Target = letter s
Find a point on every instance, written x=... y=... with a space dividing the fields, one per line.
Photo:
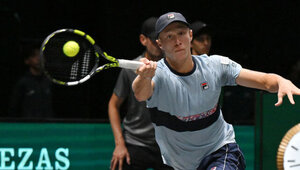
x=62 y=158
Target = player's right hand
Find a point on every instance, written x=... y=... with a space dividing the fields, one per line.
x=119 y=154
x=147 y=70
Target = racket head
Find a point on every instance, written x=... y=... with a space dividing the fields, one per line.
x=69 y=71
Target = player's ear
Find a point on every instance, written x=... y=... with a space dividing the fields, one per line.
x=159 y=43
x=143 y=39
x=191 y=34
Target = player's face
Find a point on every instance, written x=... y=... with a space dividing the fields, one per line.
x=201 y=44
x=175 y=40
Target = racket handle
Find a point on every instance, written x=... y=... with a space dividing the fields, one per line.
x=129 y=64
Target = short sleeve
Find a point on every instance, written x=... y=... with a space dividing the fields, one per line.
x=227 y=69
x=123 y=85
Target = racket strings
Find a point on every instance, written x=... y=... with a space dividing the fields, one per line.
x=68 y=69
x=74 y=70
x=81 y=67
x=85 y=63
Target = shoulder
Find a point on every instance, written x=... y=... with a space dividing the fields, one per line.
x=23 y=81
x=219 y=58
x=25 y=78
x=213 y=59
x=206 y=58
x=161 y=65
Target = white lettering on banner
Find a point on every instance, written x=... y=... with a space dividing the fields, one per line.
x=7 y=162
x=5 y=159
x=62 y=159
x=44 y=159
x=22 y=164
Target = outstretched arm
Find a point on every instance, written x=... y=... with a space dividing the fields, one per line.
x=269 y=82
x=143 y=85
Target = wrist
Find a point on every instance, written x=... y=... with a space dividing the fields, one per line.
x=281 y=80
x=145 y=77
x=120 y=142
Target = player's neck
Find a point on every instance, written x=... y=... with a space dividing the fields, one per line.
x=182 y=66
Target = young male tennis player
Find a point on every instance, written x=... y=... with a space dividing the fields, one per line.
x=182 y=92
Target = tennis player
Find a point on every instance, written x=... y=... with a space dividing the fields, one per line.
x=182 y=92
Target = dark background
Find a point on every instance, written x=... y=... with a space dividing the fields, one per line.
x=260 y=35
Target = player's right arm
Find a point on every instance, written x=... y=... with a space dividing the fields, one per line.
x=143 y=85
x=120 y=152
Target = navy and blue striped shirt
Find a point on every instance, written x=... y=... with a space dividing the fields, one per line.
x=184 y=110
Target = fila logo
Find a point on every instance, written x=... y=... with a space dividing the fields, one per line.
x=204 y=85
x=170 y=16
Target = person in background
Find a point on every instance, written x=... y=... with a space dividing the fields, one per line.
x=31 y=96
x=135 y=145
x=202 y=39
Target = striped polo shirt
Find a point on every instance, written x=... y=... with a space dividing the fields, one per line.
x=184 y=110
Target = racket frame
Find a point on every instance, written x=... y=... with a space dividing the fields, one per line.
x=95 y=69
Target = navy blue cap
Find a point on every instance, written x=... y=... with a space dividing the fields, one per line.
x=168 y=18
x=148 y=28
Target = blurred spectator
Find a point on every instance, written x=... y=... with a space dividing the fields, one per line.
x=31 y=96
x=202 y=40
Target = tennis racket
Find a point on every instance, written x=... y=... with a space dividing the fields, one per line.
x=70 y=57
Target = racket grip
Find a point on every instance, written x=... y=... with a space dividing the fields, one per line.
x=129 y=64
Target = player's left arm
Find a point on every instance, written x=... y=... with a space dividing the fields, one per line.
x=270 y=82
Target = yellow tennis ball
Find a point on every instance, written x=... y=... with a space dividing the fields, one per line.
x=71 y=48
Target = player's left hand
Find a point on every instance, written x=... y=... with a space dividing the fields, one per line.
x=286 y=87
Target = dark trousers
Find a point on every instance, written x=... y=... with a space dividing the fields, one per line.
x=142 y=158
x=228 y=157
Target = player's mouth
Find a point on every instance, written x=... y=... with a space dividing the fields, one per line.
x=178 y=50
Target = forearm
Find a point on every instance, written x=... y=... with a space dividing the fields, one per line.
x=115 y=122
x=259 y=80
x=269 y=82
x=142 y=88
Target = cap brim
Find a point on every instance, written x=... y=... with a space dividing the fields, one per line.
x=185 y=23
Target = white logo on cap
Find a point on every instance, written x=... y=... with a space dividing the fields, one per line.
x=170 y=16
